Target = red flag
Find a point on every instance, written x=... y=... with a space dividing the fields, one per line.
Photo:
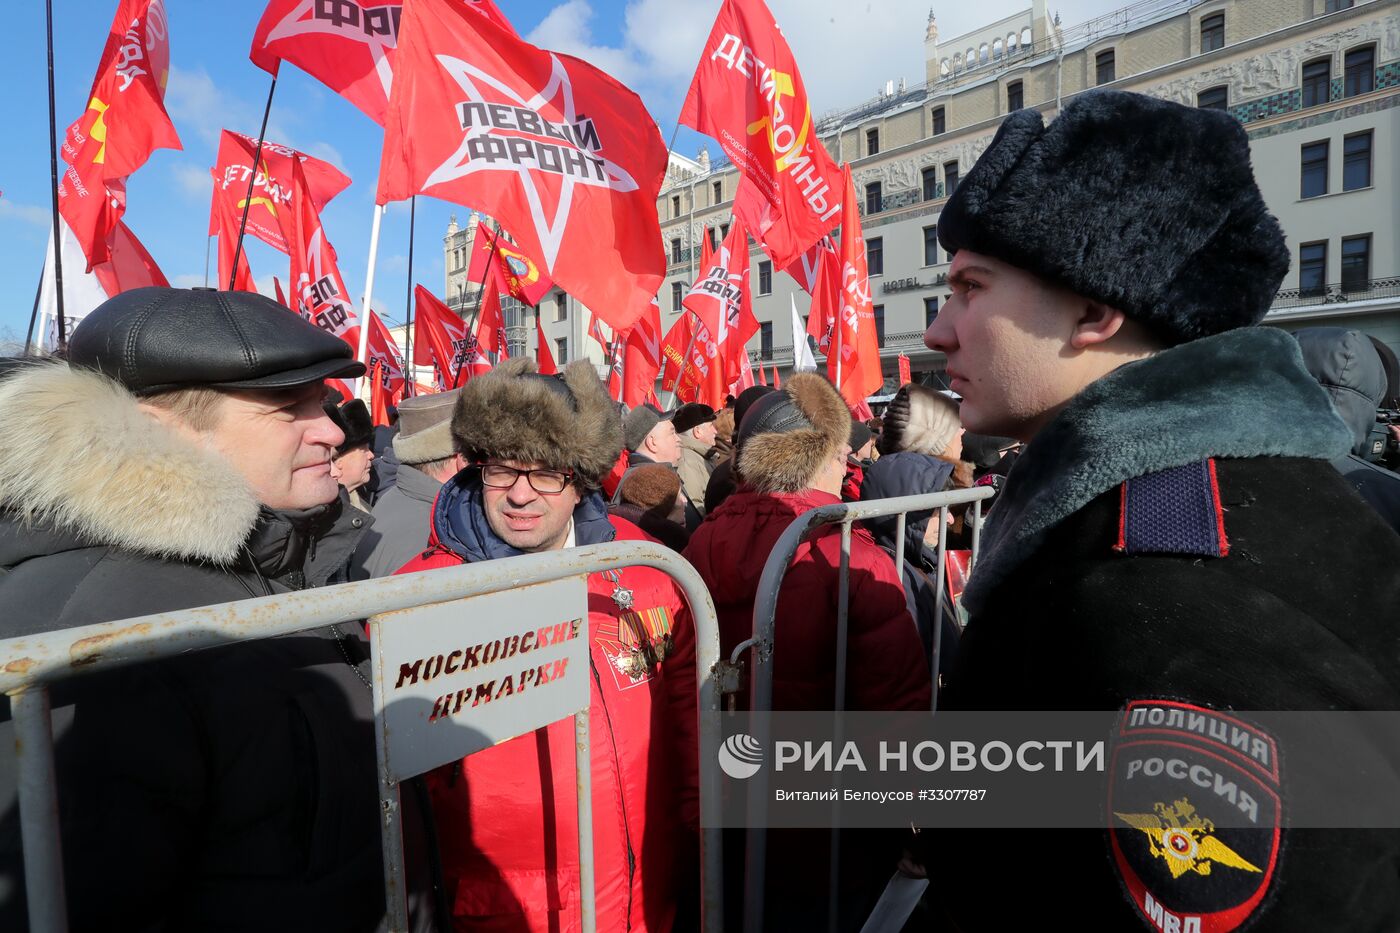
x=347 y=45
x=777 y=383
x=905 y=377
x=720 y=301
x=707 y=250
x=561 y=154
x=130 y=266
x=281 y=295
x=596 y=332
x=544 y=360
x=854 y=366
x=673 y=347
x=826 y=300
x=378 y=396
x=491 y=326
x=804 y=270
x=516 y=274
x=748 y=95
x=642 y=359
x=125 y=121
x=226 y=227
x=439 y=339
x=317 y=287
x=384 y=353
x=274 y=186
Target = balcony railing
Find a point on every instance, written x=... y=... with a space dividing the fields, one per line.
x=1337 y=293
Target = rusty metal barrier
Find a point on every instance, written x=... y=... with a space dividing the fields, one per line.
x=760 y=645
x=28 y=664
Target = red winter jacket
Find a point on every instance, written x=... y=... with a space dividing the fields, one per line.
x=885 y=665
x=507 y=816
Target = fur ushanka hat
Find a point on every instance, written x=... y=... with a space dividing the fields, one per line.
x=567 y=421
x=921 y=420
x=786 y=435
x=1145 y=205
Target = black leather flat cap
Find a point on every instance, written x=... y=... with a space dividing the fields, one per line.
x=157 y=339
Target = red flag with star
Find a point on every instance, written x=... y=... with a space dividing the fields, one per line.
x=385 y=355
x=748 y=95
x=564 y=156
x=270 y=208
x=720 y=302
x=125 y=121
x=439 y=339
x=516 y=274
x=854 y=364
x=805 y=268
x=347 y=45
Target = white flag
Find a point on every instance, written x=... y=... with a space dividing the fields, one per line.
x=802 y=359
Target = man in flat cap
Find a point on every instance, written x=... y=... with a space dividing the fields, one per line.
x=538 y=447
x=427 y=458
x=181 y=457
x=1153 y=551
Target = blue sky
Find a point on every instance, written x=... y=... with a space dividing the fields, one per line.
x=846 y=49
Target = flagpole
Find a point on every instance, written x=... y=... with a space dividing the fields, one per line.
x=207 y=241
x=53 y=193
x=362 y=350
x=408 y=302
x=248 y=199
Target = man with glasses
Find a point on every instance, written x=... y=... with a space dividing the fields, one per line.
x=540 y=446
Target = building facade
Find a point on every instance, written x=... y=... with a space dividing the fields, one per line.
x=1316 y=84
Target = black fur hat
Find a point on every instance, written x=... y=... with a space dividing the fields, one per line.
x=352 y=418
x=1145 y=205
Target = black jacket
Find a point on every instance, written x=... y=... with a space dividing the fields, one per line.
x=227 y=789
x=1299 y=614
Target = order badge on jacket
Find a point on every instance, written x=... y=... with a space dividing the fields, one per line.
x=457 y=677
x=1194 y=811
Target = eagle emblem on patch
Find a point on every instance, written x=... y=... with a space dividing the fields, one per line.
x=1195 y=811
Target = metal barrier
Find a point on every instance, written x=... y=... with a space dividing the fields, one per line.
x=761 y=644
x=29 y=663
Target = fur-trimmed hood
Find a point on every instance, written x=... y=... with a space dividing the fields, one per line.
x=513 y=413
x=785 y=457
x=77 y=453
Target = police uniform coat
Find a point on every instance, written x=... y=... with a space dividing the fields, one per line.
x=1297 y=614
x=227 y=789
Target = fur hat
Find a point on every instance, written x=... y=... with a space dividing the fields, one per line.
x=354 y=420
x=787 y=435
x=692 y=415
x=566 y=422
x=921 y=420
x=425 y=428
x=1145 y=205
x=653 y=487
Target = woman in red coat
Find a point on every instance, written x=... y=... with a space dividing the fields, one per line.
x=506 y=817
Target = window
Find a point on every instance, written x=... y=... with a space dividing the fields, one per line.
x=1356 y=161
x=929 y=177
x=675 y=205
x=765 y=277
x=765 y=340
x=677 y=293
x=561 y=308
x=676 y=250
x=1360 y=71
x=561 y=351
x=874 y=201
x=718 y=189
x=1316 y=77
x=879 y=325
x=1015 y=96
x=930 y=311
x=950 y=177
x=723 y=232
x=940 y=121
x=931 y=245
x=1213 y=32
x=1335 y=5
x=1104 y=67
x=1356 y=262
x=875 y=256
x=1213 y=98
x=1312 y=268
x=1314 y=169
x=710 y=235
x=872 y=141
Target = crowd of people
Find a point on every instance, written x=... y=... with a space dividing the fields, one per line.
x=1180 y=515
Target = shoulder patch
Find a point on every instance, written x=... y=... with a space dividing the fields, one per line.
x=1175 y=511
x=1194 y=814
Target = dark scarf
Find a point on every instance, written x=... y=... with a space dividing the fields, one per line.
x=1243 y=393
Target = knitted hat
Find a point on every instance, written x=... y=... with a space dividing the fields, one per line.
x=921 y=420
x=566 y=422
x=786 y=435
x=1145 y=205
x=425 y=428
x=652 y=486
x=860 y=434
x=639 y=422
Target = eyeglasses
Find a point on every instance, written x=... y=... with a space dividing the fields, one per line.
x=544 y=482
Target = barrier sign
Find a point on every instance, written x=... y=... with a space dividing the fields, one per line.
x=456 y=677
